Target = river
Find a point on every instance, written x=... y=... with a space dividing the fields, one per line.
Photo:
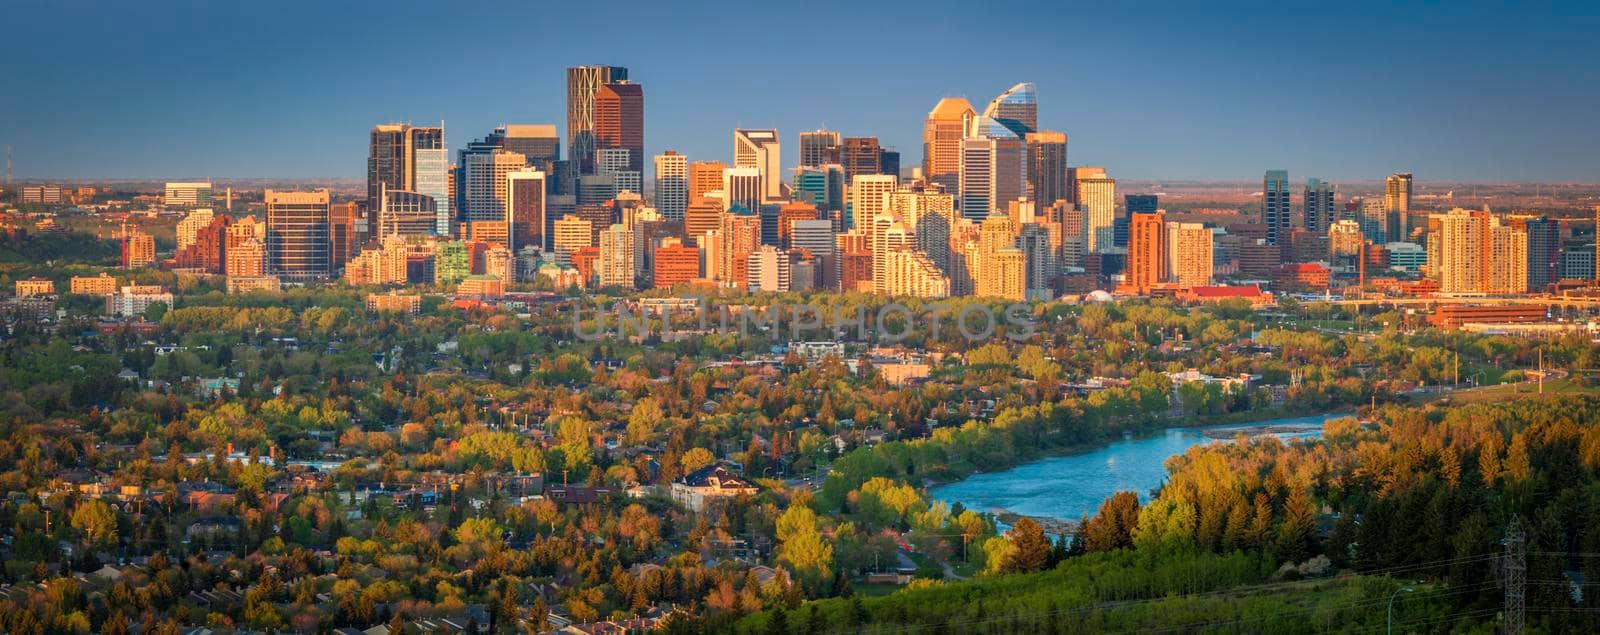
x=1070 y=486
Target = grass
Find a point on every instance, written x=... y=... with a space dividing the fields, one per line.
x=1505 y=392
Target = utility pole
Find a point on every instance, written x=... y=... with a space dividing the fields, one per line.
x=1516 y=570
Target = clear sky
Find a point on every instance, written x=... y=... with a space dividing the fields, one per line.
x=1342 y=90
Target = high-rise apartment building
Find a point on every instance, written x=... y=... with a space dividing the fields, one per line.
x=619 y=121
x=190 y=225
x=912 y=273
x=672 y=185
x=759 y=149
x=1319 y=205
x=1047 y=167
x=1190 y=262
x=1096 y=194
x=617 y=257
x=1473 y=251
x=869 y=198
x=583 y=85
x=1397 y=201
x=1148 y=253
x=1275 y=206
x=816 y=147
x=570 y=233
x=298 y=238
x=770 y=268
x=943 y=137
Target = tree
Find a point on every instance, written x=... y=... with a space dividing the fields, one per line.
x=1032 y=549
x=696 y=458
x=97 y=521
x=643 y=420
x=803 y=548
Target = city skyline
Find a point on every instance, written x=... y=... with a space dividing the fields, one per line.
x=1172 y=110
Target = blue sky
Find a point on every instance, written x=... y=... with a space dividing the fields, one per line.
x=1353 y=90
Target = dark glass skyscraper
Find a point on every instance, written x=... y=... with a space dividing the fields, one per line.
x=386 y=161
x=1047 y=167
x=1275 y=205
x=1142 y=203
x=1318 y=201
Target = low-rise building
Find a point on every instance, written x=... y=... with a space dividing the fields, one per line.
x=28 y=287
x=133 y=300
x=103 y=284
x=711 y=483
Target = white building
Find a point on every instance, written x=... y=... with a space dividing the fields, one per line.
x=188 y=194
x=672 y=185
x=759 y=149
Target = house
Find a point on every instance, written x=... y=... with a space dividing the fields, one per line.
x=695 y=489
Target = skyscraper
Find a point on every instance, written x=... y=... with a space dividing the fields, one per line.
x=485 y=190
x=705 y=177
x=942 y=136
x=402 y=157
x=583 y=84
x=869 y=199
x=1047 y=167
x=672 y=185
x=538 y=143
x=1142 y=203
x=760 y=149
x=742 y=189
x=1096 y=194
x=860 y=155
x=822 y=186
x=1397 y=201
x=702 y=215
x=1275 y=206
x=404 y=213
x=1319 y=208
x=619 y=121
x=1016 y=109
x=386 y=161
x=815 y=145
x=297 y=235
x=617 y=257
x=1190 y=261
x=976 y=178
x=1010 y=179
x=525 y=200
x=1147 y=253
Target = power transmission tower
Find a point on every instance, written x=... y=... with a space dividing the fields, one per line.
x=1516 y=568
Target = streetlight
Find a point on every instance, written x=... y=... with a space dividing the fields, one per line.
x=1392 y=596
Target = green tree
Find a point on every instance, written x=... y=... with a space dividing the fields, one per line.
x=97 y=522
